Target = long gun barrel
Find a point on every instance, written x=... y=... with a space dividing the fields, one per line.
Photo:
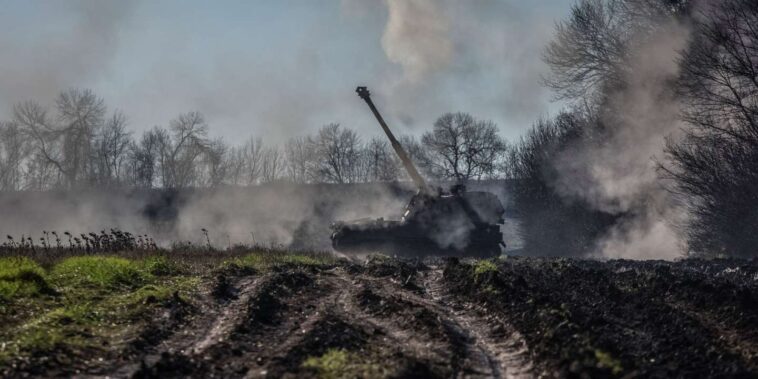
x=409 y=167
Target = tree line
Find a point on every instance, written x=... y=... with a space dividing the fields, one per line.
x=77 y=143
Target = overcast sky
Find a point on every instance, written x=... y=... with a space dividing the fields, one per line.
x=277 y=68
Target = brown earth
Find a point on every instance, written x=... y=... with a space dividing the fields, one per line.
x=511 y=317
x=388 y=315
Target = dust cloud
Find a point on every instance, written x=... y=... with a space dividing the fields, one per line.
x=280 y=214
x=620 y=175
x=76 y=47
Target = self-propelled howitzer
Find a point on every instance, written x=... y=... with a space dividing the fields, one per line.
x=457 y=222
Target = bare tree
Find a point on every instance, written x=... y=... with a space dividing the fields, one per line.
x=236 y=166
x=591 y=50
x=253 y=154
x=574 y=227
x=180 y=151
x=337 y=150
x=41 y=174
x=14 y=150
x=272 y=164
x=215 y=163
x=80 y=115
x=299 y=159
x=67 y=141
x=111 y=149
x=461 y=147
x=144 y=159
x=380 y=161
x=715 y=166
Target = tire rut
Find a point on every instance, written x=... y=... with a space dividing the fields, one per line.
x=215 y=318
x=274 y=322
x=406 y=341
x=241 y=335
x=503 y=348
x=474 y=351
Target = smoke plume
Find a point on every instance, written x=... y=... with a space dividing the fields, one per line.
x=478 y=57
x=417 y=37
x=619 y=176
x=73 y=49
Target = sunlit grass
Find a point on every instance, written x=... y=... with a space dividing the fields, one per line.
x=340 y=363
x=99 y=272
x=20 y=276
x=86 y=303
x=266 y=260
x=484 y=267
x=94 y=301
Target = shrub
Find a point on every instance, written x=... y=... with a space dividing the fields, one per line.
x=160 y=266
x=20 y=276
x=484 y=267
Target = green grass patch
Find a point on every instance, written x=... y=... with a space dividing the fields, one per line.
x=606 y=360
x=132 y=303
x=484 y=267
x=100 y=272
x=160 y=265
x=262 y=261
x=91 y=318
x=333 y=364
x=99 y=301
x=20 y=277
x=340 y=363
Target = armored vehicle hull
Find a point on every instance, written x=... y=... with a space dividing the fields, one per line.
x=411 y=240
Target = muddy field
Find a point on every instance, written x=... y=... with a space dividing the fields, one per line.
x=510 y=317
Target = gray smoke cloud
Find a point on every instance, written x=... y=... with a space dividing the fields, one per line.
x=72 y=50
x=417 y=37
x=423 y=57
x=279 y=214
x=477 y=57
x=620 y=176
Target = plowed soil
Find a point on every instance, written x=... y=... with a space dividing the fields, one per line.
x=391 y=316
x=505 y=318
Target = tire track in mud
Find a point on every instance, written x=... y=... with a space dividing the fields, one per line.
x=229 y=317
x=221 y=340
x=485 y=348
x=409 y=343
x=283 y=309
x=272 y=323
x=217 y=317
x=741 y=343
x=503 y=346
